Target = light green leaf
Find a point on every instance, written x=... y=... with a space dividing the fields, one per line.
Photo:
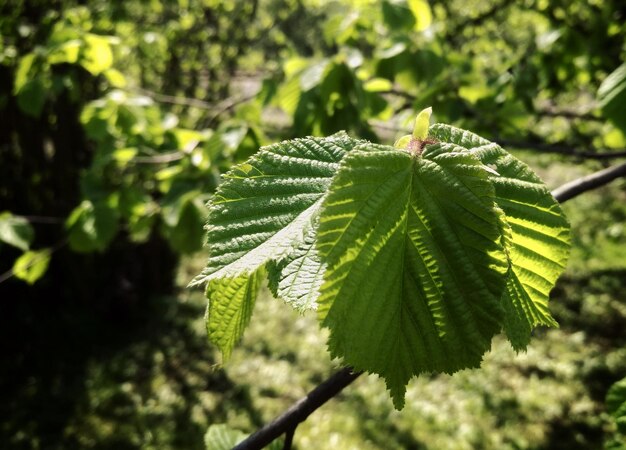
x=16 y=231
x=261 y=215
x=222 y=437
x=32 y=265
x=231 y=301
x=66 y=52
x=612 y=97
x=97 y=53
x=422 y=13
x=415 y=263
x=23 y=71
x=539 y=233
x=422 y=122
x=115 y=78
x=377 y=85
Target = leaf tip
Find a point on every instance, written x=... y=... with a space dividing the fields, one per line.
x=422 y=122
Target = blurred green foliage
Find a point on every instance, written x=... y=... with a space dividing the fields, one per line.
x=117 y=120
x=172 y=93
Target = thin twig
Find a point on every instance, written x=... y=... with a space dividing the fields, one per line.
x=568 y=115
x=175 y=100
x=289 y=438
x=300 y=410
x=563 y=149
x=217 y=108
x=159 y=159
x=230 y=103
x=588 y=182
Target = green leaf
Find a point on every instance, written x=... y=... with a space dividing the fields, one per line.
x=115 y=78
x=66 y=52
x=261 y=215
x=378 y=85
x=32 y=265
x=422 y=122
x=415 y=263
x=612 y=97
x=222 y=437
x=231 y=301
x=97 y=54
x=32 y=97
x=298 y=279
x=27 y=64
x=616 y=404
x=184 y=231
x=414 y=259
x=539 y=241
x=92 y=226
x=397 y=15
x=16 y=231
x=422 y=13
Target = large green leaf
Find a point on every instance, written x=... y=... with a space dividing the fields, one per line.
x=539 y=233
x=415 y=257
x=415 y=262
x=261 y=214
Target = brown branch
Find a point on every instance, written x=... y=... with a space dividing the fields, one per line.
x=588 y=182
x=217 y=108
x=299 y=411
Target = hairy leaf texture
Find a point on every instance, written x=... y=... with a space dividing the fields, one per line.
x=539 y=241
x=416 y=265
x=414 y=257
x=261 y=215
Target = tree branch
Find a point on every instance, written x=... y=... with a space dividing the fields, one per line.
x=300 y=410
x=568 y=115
x=588 y=182
x=561 y=149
